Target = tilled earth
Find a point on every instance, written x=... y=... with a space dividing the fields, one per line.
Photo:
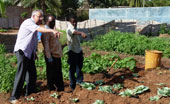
x=150 y=78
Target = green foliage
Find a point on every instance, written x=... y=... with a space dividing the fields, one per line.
x=3 y=30
x=135 y=3
x=138 y=90
x=104 y=3
x=164 y=29
x=24 y=15
x=129 y=63
x=127 y=92
x=118 y=86
x=74 y=100
x=48 y=6
x=3 y=5
x=30 y=99
x=55 y=95
x=63 y=37
x=99 y=82
x=41 y=66
x=88 y=86
x=82 y=15
x=130 y=43
x=69 y=7
x=92 y=64
x=97 y=63
x=99 y=102
x=7 y=70
x=107 y=89
x=157 y=3
x=164 y=92
x=154 y=98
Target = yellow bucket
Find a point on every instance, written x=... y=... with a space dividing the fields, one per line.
x=152 y=59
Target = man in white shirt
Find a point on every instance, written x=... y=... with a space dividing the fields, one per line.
x=75 y=53
x=25 y=50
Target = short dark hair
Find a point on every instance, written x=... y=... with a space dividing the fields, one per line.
x=71 y=17
x=46 y=19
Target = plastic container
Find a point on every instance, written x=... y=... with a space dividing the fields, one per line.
x=152 y=59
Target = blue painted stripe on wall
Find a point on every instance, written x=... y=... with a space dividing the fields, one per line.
x=160 y=14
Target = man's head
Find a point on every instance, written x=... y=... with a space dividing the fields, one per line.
x=50 y=21
x=37 y=16
x=73 y=21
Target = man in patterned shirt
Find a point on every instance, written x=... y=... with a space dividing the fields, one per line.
x=53 y=54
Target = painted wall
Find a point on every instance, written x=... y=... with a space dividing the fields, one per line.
x=159 y=14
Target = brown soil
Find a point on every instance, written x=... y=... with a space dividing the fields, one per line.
x=148 y=78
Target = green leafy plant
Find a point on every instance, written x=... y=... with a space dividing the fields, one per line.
x=99 y=102
x=135 y=75
x=118 y=86
x=140 y=89
x=164 y=92
x=154 y=98
x=24 y=15
x=129 y=43
x=3 y=30
x=163 y=29
x=30 y=99
x=127 y=92
x=88 y=86
x=55 y=95
x=7 y=70
x=74 y=100
x=107 y=89
x=99 y=82
x=132 y=93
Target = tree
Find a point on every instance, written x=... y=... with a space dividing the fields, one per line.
x=103 y=3
x=157 y=3
x=123 y=3
x=69 y=7
x=48 y=6
x=135 y=3
x=3 y=6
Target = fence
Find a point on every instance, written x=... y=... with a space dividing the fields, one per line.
x=10 y=22
x=90 y=27
x=94 y=27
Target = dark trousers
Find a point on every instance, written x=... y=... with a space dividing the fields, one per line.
x=26 y=71
x=75 y=60
x=54 y=74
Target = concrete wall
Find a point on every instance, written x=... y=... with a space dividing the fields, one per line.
x=159 y=14
x=13 y=19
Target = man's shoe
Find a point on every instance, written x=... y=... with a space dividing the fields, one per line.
x=79 y=83
x=14 y=101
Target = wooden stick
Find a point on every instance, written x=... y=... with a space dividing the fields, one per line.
x=112 y=64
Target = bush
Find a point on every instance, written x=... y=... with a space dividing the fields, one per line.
x=130 y=43
x=7 y=70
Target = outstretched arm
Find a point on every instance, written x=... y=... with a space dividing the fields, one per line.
x=80 y=33
x=45 y=30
